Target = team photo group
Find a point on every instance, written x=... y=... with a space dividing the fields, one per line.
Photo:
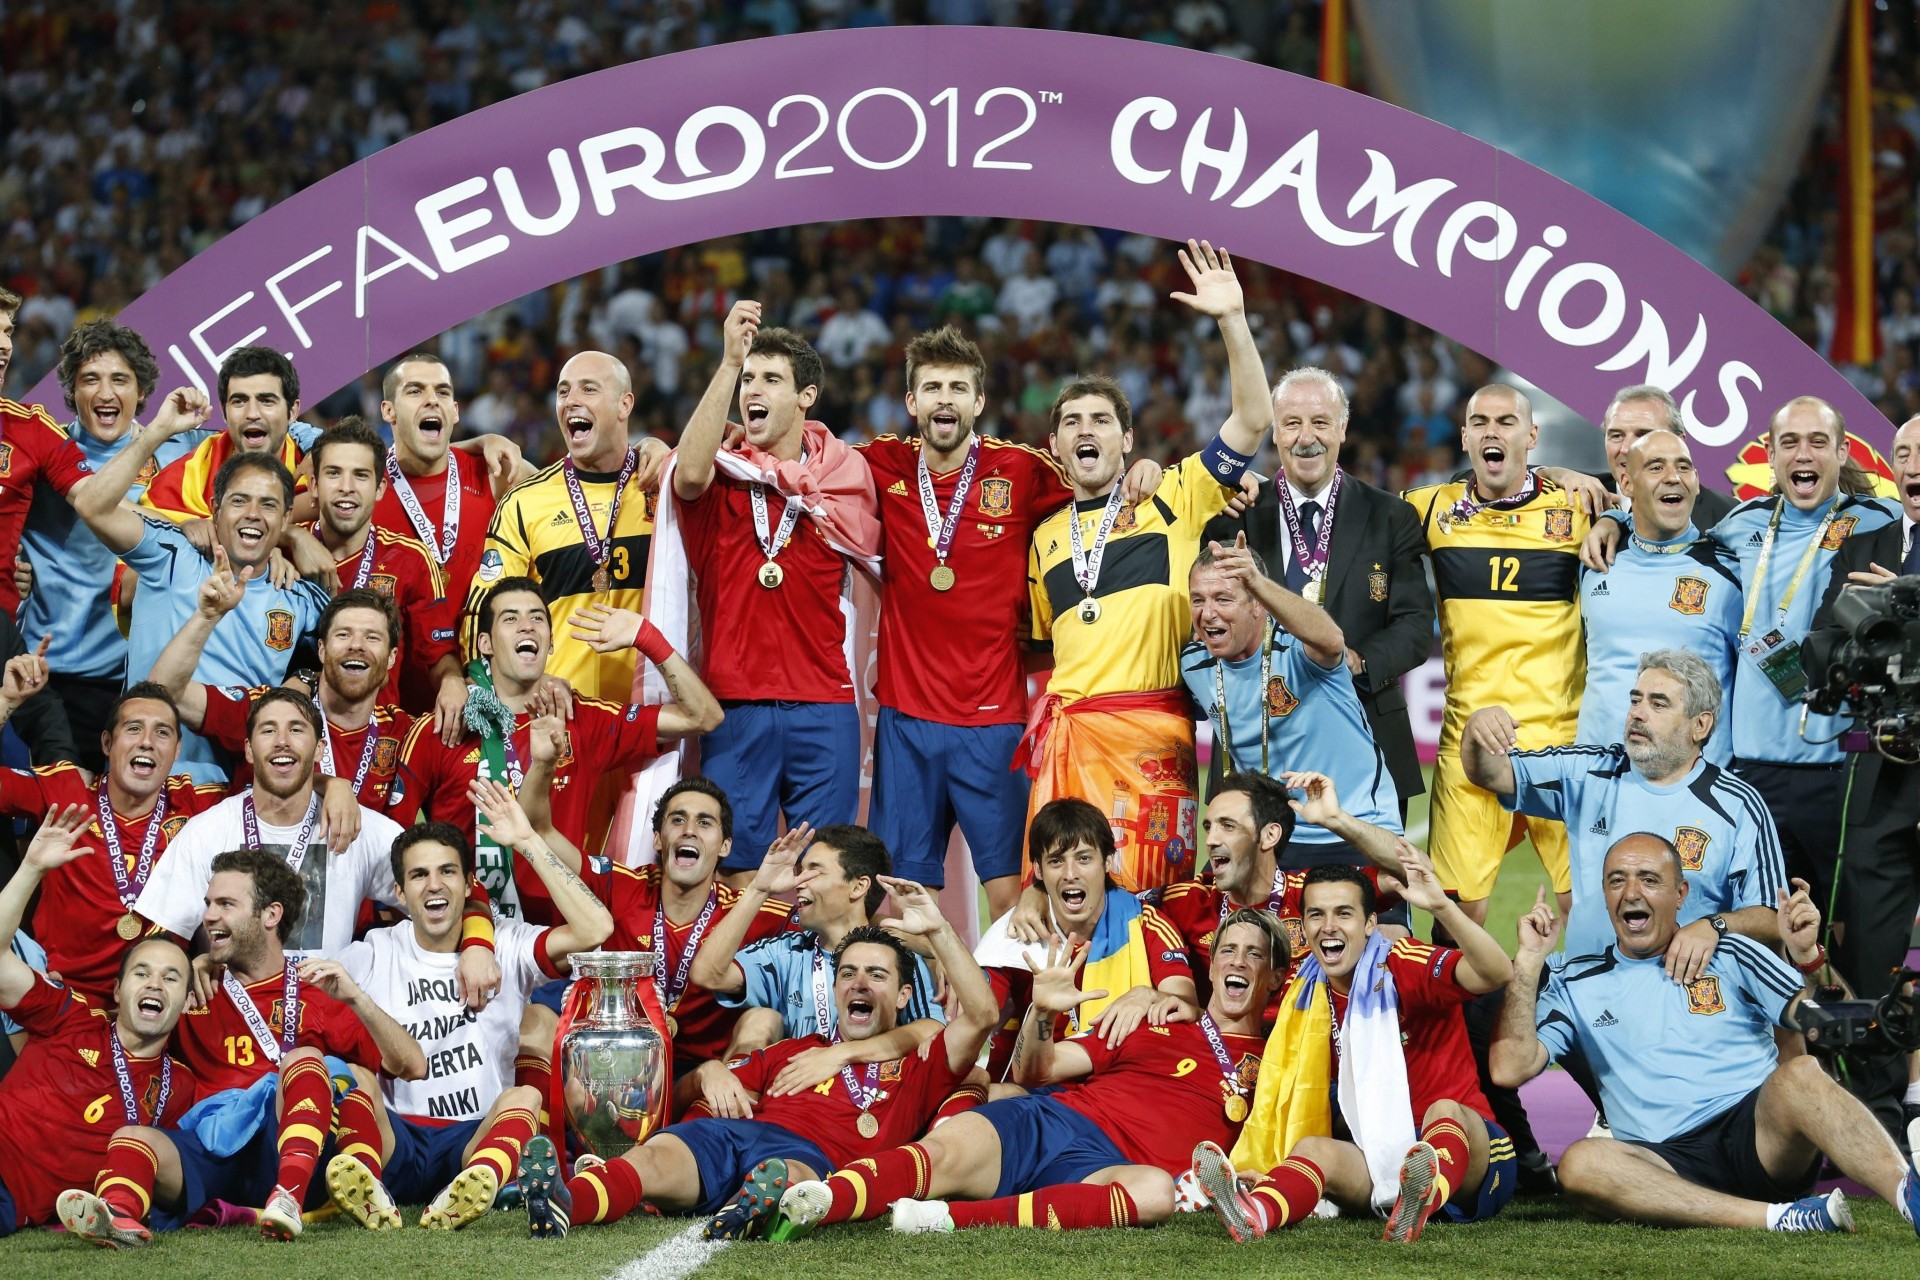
x=336 y=744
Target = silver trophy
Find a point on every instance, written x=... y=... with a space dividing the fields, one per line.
x=614 y=1063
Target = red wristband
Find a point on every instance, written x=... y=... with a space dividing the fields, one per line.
x=1819 y=959
x=652 y=643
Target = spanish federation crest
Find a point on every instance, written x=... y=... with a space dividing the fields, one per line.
x=171 y=827
x=1703 y=995
x=279 y=629
x=1280 y=699
x=1559 y=526
x=386 y=755
x=1692 y=844
x=1296 y=936
x=1377 y=585
x=1689 y=595
x=384 y=583
x=996 y=496
x=6 y=459
x=1126 y=519
x=1835 y=536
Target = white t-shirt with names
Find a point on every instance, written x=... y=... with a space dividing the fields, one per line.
x=469 y=1055
x=176 y=895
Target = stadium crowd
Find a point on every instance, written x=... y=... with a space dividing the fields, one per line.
x=331 y=728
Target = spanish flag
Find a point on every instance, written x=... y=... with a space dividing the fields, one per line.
x=1856 y=329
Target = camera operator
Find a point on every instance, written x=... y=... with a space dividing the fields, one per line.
x=1879 y=873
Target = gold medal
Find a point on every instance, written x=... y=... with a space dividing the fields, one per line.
x=1316 y=590
x=869 y=1126
x=601 y=578
x=1237 y=1109
x=941 y=578
x=127 y=926
x=673 y=1026
x=772 y=575
x=1089 y=611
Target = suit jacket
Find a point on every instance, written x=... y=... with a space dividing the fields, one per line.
x=1882 y=547
x=1376 y=590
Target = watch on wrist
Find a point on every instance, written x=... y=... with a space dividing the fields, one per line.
x=1719 y=924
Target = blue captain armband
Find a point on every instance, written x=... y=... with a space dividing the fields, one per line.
x=1223 y=464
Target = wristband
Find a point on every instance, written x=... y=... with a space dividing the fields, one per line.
x=1817 y=963
x=1223 y=464
x=652 y=644
x=476 y=921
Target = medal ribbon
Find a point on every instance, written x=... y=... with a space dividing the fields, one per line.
x=129 y=887
x=129 y=1103
x=600 y=552
x=1276 y=898
x=1679 y=544
x=367 y=748
x=441 y=547
x=1466 y=509
x=1219 y=1047
x=822 y=1004
x=939 y=530
x=363 y=573
x=772 y=546
x=1086 y=564
x=297 y=853
x=1220 y=705
x=275 y=1047
x=669 y=992
x=863 y=1094
x=1766 y=556
x=1312 y=563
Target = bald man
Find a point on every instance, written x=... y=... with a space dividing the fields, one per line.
x=1879 y=887
x=581 y=527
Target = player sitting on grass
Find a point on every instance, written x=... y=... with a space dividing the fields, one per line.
x=1380 y=1021
x=736 y=1170
x=1099 y=1150
x=1710 y=1129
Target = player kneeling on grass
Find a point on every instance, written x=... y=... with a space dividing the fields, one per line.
x=1710 y=1128
x=735 y=1168
x=1382 y=1022
x=1101 y=1149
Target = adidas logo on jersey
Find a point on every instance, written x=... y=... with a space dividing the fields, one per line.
x=1606 y=1019
x=1756 y=540
x=899 y=487
x=560 y=519
x=92 y=1056
x=1601 y=590
x=1599 y=827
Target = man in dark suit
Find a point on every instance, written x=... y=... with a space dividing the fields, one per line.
x=1879 y=887
x=1364 y=557
x=1637 y=410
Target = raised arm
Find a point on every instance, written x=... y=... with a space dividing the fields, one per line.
x=174 y=668
x=707 y=428
x=713 y=966
x=1517 y=1054
x=1298 y=616
x=100 y=499
x=585 y=921
x=694 y=710
x=979 y=1012
x=1319 y=804
x=1216 y=292
x=1038 y=1058
x=52 y=846
x=400 y=1054
x=1483 y=963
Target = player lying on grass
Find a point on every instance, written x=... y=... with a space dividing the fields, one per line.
x=1379 y=1022
x=1100 y=1149
x=1710 y=1129
x=736 y=1170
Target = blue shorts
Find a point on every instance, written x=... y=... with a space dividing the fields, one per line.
x=927 y=776
x=1503 y=1175
x=548 y=995
x=426 y=1157
x=800 y=758
x=246 y=1178
x=1044 y=1143
x=726 y=1151
x=9 y=1212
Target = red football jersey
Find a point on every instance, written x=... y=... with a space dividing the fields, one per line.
x=602 y=738
x=785 y=642
x=1433 y=1031
x=1162 y=1092
x=403 y=571
x=32 y=447
x=61 y=1102
x=79 y=904
x=1195 y=909
x=216 y=1042
x=470 y=539
x=1013 y=988
x=954 y=656
x=226 y=725
x=705 y=1026
x=908 y=1091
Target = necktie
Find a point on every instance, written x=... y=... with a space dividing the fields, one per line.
x=1912 y=562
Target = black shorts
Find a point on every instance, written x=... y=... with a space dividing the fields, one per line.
x=1722 y=1155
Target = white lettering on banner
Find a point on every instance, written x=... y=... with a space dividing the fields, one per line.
x=566 y=190
x=1298 y=168
x=292 y=310
x=441 y=230
x=1425 y=688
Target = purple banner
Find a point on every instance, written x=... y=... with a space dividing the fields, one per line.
x=1423 y=220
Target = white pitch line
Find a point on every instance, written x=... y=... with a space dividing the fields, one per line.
x=674 y=1258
